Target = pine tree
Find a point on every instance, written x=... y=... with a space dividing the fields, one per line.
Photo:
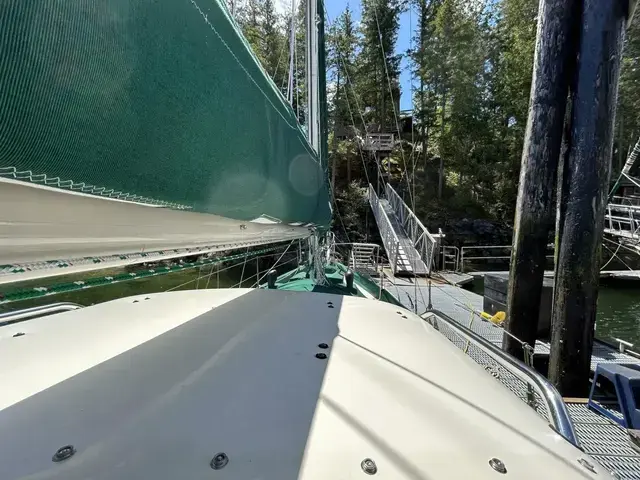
x=273 y=44
x=627 y=118
x=379 y=64
x=248 y=17
x=424 y=98
x=344 y=112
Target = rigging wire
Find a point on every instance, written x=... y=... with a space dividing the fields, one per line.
x=621 y=261
x=395 y=115
x=364 y=166
x=211 y=273
x=282 y=49
x=335 y=202
x=243 y=267
x=275 y=264
x=412 y=88
x=359 y=111
x=222 y=270
x=292 y=49
x=68 y=287
x=358 y=108
x=239 y=284
x=615 y=254
x=297 y=87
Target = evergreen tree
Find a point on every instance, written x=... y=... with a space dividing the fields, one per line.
x=344 y=111
x=379 y=64
x=273 y=44
x=628 y=108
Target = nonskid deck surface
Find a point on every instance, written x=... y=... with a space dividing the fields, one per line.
x=605 y=440
x=410 y=262
x=155 y=386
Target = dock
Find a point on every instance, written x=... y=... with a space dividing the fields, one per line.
x=615 y=274
x=606 y=441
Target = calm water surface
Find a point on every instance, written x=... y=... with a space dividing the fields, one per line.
x=618 y=310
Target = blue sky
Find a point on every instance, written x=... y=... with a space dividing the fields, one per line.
x=407 y=23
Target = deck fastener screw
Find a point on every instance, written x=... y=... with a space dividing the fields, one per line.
x=63 y=453
x=219 y=461
x=369 y=466
x=321 y=355
x=587 y=464
x=497 y=465
x=323 y=345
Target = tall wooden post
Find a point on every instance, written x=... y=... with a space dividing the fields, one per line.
x=587 y=171
x=543 y=137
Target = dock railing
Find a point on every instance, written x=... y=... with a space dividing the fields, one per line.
x=623 y=219
x=389 y=238
x=556 y=410
x=422 y=240
x=487 y=254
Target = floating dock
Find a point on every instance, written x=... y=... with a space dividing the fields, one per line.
x=606 y=441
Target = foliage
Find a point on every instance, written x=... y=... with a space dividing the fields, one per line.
x=350 y=217
x=471 y=66
x=378 y=62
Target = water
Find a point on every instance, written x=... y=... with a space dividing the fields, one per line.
x=618 y=310
x=618 y=303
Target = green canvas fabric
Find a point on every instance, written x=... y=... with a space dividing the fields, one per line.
x=163 y=100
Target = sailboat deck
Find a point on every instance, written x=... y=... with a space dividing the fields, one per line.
x=601 y=438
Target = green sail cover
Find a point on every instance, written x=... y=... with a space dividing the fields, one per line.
x=158 y=101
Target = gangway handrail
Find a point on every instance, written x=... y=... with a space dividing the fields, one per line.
x=390 y=189
x=398 y=203
x=558 y=412
x=382 y=217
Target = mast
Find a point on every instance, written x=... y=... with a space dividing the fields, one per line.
x=292 y=52
x=313 y=84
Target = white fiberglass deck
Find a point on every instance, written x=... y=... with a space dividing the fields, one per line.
x=286 y=384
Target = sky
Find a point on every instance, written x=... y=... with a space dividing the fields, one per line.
x=407 y=22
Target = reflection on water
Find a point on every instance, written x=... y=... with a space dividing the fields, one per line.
x=618 y=310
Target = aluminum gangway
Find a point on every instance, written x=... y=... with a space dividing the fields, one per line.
x=409 y=245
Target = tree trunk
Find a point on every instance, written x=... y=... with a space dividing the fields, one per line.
x=442 y=117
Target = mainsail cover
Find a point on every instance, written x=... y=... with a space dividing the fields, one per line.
x=157 y=102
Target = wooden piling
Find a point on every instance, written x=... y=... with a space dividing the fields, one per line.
x=587 y=170
x=543 y=137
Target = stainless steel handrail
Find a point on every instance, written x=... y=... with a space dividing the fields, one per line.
x=15 y=316
x=558 y=412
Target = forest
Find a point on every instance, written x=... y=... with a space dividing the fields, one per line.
x=457 y=155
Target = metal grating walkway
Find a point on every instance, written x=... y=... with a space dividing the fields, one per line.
x=409 y=258
x=604 y=440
